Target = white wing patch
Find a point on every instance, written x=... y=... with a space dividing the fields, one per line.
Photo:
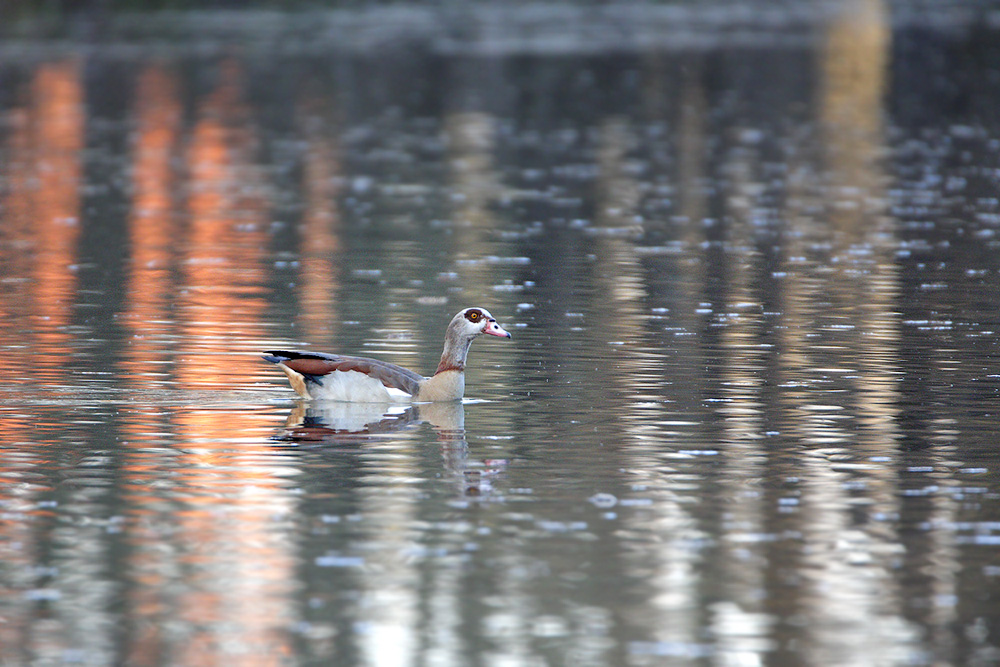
x=356 y=387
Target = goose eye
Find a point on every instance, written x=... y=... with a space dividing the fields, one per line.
x=474 y=316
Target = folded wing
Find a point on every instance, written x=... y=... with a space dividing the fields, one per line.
x=314 y=365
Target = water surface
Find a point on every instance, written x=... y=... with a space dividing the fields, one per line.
x=747 y=415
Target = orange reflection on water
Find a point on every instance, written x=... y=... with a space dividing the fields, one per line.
x=38 y=249
x=57 y=94
x=222 y=305
x=152 y=225
x=41 y=225
x=235 y=542
x=152 y=232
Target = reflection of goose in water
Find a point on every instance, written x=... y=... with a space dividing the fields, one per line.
x=334 y=377
x=331 y=420
x=338 y=422
x=320 y=420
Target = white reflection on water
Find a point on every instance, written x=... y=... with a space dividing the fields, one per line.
x=388 y=580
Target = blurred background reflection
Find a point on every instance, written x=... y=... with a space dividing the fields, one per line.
x=749 y=261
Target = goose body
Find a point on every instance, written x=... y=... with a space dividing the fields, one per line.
x=335 y=377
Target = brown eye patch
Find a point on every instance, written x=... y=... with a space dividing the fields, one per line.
x=473 y=315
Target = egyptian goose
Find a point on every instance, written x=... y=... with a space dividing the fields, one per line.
x=334 y=377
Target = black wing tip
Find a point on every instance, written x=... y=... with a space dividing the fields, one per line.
x=277 y=356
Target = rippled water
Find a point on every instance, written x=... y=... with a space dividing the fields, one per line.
x=748 y=412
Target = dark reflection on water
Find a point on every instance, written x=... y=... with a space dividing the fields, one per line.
x=747 y=415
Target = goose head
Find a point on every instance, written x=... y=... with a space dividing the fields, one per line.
x=473 y=322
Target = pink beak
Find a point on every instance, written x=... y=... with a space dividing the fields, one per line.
x=494 y=329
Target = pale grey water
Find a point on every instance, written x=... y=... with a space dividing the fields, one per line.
x=747 y=415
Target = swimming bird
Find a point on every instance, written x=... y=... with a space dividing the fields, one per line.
x=335 y=377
